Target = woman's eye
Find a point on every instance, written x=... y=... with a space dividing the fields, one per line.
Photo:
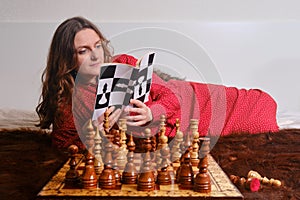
x=82 y=51
x=98 y=46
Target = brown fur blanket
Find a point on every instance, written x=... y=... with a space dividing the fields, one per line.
x=28 y=161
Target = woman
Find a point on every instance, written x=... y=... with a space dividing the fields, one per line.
x=77 y=51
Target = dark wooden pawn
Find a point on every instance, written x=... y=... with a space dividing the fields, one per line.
x=202 y=179
x=130 y=173
x=107 y=179
x=186 y=175
x=116 y=170
x=146 y=180
x=72 y=175
x=186 y=147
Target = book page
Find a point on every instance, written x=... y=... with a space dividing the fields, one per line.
x=118 y=83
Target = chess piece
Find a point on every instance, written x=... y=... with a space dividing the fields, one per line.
x=153 y=151
x=185 y=147
x=104 y=97
x=72 y=175
x=202 y=179
x=107 y=179
x=123 y=148
x=162 y=128
x=115 y=167
x=195 y=146
x=164 y=177
x=129 y=175
x=176 y=151
x=185 y=174
x=264 y=180
x=146 y=180
x=97 y=153
x=89 y=176
x=106 y=124
x=252 y=184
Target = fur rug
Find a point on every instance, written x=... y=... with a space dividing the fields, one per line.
x=29 y=161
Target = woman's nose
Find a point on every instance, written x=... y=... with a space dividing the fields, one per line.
x=94 y=55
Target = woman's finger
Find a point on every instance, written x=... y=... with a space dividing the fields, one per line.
x=135 y=118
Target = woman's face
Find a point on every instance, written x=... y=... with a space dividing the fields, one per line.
x=90 y=54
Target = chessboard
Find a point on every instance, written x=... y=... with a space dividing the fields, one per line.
x=155 y=168
x=221 y=187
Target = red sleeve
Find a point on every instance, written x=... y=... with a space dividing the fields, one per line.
x=125 y=59
x=68 y=129
x=64 y=132
x=163 y=101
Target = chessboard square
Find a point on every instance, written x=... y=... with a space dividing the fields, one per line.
x=129 y=187
x=147 y=60
x=120 y=84
x=140 y=90
x=102 y=100
x=127 y=98
x=107 y=71
x=141 y=98
x=149 y=72
x=104 y=85
x=143 y=73
x=171 y=187
x=116 y=98
x=97 y=113
x=123 y=71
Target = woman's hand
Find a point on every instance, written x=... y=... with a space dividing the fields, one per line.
x=142 y=113
x=113 y=114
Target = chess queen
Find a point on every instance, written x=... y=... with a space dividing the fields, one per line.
x=76 y=52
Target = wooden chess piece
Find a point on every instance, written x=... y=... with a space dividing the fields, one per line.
x=185 y=147
x=185 y=174
x=153 y=151
x=107 y=179
x=72 y=175
x=202 y=179
x=106 y=124
x=89 y=176
x=123 y=148
x=164 y=177
x=146 y=180
x=115 y=167
x=195 y=145
x=98 y=163
x=130 y=173
x=252 y=184
x=176 y=151
x=264 y=180
x=162 y=127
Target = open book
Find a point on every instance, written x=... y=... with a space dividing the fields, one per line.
x=118 y=83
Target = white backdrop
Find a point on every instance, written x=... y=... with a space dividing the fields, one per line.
x=251 y=45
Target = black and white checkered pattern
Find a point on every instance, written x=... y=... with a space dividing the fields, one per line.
x=118 y=83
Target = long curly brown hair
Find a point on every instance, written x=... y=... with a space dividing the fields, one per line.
x=60 y=72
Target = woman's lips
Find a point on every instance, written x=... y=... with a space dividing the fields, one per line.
x=95 y=64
